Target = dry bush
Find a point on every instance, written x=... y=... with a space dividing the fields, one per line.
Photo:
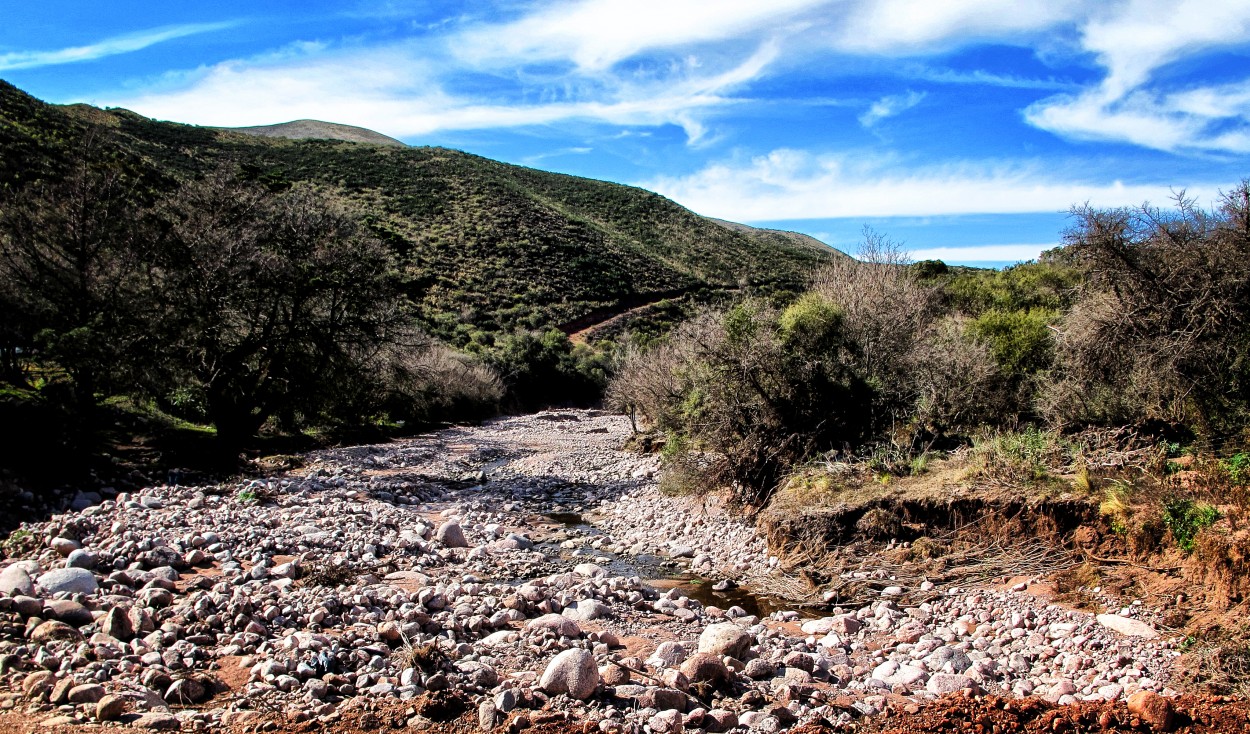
x=956 y=383
x=1162 y=330
x=425 y=380
x=885 y=308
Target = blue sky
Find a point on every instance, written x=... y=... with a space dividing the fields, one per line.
x=963 y=128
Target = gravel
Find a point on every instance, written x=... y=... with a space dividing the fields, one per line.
x=511 y=561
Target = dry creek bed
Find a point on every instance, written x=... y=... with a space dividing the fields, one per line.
x=529 y=564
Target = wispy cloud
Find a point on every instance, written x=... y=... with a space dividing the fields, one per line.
x=401 y=91
x=890 y=106
x=792 y=184
x=983 y=253
x=596 y=34
x=981 y=77
x=1132 y=44
x=108 y=47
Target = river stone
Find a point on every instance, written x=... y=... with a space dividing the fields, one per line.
x=706 y=668
x=86 y=693
x=117 y=624
x=110 y=707
x=560 y=625
x=663 y=699
x=1126 y=626
x=726 y=638
x=668 y=654
x=943 y=683
x=28 y=606
x=1153 y=709
x=80 y=558
x=69 y=612
x=72 y=580
x=158 y=721
x=666 y=722
x=613 y=675
x=186 y=691
x=15 y=581
x=587 y=609
x=573 y=672
x=451 y=535
x=65 y=546
x=54 y=630
x=38 y=683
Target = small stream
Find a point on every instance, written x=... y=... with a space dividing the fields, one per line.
x=664 y=573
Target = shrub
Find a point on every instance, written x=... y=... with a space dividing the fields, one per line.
x=761 y=390
x=1021 y=341
x=1185 y=519
x=1161 y=330
x=1237 y=467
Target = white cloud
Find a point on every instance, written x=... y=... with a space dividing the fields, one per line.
x=399 y=91
x=596 y=34
x=889 y=107
x=108 y=47
x=983 y=253
x=1133 y=40
x=791 y=184
x=905 y=27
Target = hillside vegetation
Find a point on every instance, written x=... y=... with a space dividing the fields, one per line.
x=244 y=281
x=483 y=245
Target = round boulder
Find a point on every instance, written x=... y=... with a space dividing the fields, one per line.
x=451 y=535
x=573 y=672
x=72 y=580
x=723 y=639
x=559 y=624
x=14 y=581
x=705 y=668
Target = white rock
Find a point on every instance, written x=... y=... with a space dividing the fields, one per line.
x=1127 y=627
x=14 y=581
x=573 y=672
x=451 y=535
x=73 y=580
x=726 y=638
x=561 y=625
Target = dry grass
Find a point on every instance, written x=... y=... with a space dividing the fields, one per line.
x=325 y=573
x=428 y=657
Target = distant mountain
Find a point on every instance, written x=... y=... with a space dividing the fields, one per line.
x=485 y=246
x=318 y=130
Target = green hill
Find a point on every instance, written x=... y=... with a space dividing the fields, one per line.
x=485 y=245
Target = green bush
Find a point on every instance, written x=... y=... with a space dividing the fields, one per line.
x=1238 y=468
x=1186 y=518
x=1021 y=341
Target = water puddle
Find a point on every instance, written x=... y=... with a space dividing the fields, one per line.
x=663 y=573
x=568 y=519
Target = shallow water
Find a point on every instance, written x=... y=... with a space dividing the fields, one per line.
x=663 y=573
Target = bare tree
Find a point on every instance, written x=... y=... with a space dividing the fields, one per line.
x=1162 y=329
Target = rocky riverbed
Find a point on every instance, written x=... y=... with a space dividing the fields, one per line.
x=528 y=564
